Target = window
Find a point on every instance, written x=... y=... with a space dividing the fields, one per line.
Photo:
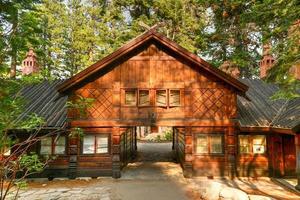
x=212 y=144
x=53 y=145
x=216 y=144
x=46 y=145
x=161 y=97
x=130 y=97
x=202 y=144
x=259 y=143
x=244 y=144
x=174 y=98
x=144 y=99
x=95 y=144
x=252 y=144
x=59 y=145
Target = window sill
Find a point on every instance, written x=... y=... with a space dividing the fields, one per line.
x=252 y=154
x=209 y=154
x=94 y=154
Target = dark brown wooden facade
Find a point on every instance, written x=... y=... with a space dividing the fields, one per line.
x=155 y=69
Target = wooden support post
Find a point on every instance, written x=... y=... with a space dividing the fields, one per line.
x=231 y=152
x=116 y=164
x=188 y=159
x=73 y=151
x=173 y=138
x=297 y=144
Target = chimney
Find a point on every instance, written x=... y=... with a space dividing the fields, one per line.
x=230 y=68
x=29 y=64
x=267 y=61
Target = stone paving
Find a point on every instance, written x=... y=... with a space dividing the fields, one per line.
x=80 y=193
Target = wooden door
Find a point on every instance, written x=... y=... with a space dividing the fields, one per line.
x=278 y=163
x=289 y=155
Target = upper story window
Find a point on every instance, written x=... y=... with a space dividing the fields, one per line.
x=161 y=97
x=130 y=97
x=144 y=98
x=209 y=144
x=255 y=144
x=174 y=98
x=93 y=144
x=53 y=145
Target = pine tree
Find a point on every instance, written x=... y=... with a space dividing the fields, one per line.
x=20 y=26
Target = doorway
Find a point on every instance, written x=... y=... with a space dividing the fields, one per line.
x=155 y=144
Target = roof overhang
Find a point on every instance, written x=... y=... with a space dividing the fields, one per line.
x=266 y=129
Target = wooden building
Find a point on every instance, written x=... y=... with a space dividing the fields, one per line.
x=223 y=126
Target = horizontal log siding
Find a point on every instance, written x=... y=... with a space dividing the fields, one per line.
x=253 y=165
x=209 y=165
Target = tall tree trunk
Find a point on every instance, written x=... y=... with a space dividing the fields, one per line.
x=13 y=65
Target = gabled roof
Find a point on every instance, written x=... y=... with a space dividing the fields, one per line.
x=151 y=34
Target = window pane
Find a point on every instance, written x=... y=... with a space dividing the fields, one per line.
x=244 y=144
x=259 y=144
x=89 y=144
x=130 y=98
x=174 y=97
x=161 y=97
x=60 y=147
x=144 y=98
x=202 y=146
x=216 y=144
x=46 y=145
x=102 y=144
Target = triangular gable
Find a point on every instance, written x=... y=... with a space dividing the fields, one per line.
x=137 y=42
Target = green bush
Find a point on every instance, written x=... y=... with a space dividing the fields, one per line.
x=168 y=135
x=158 y=138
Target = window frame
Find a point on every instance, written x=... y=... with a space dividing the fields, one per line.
x=169 y=95
x=53 y=145
x=167 y=98
x=138 y=98
x=208 y=138
x=250 y=142
x=95 y=144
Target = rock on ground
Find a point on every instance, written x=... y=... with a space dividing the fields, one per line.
x=259 y=197
x=228 y=193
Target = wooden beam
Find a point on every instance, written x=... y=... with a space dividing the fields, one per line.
x=267 y=130
x=145 y=122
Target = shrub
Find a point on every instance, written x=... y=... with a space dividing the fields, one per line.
x=168 y=135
